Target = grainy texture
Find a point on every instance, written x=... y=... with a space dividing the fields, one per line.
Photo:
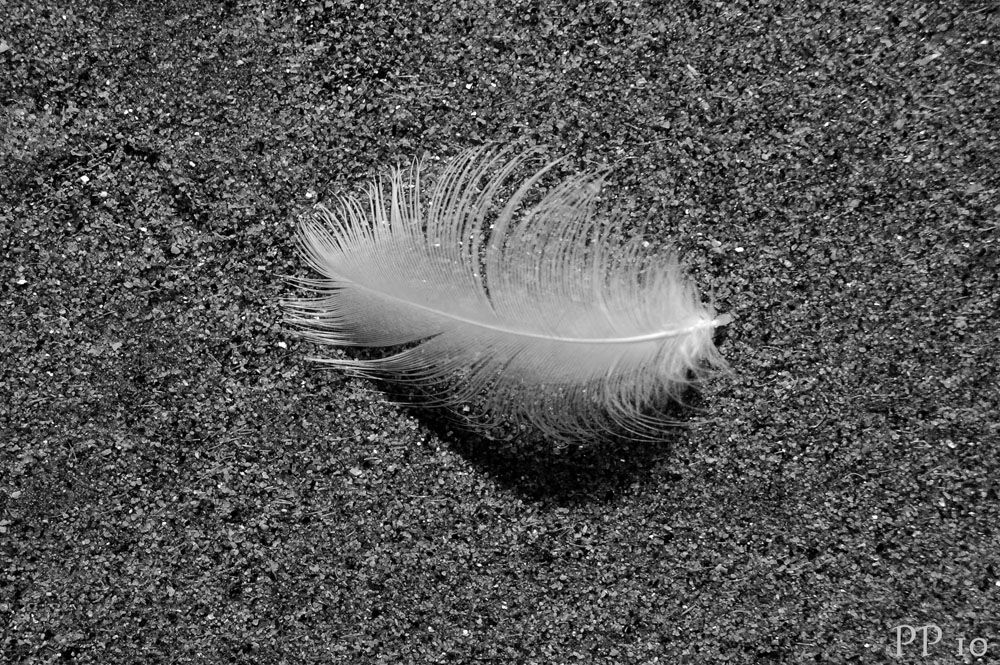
x=177 y=485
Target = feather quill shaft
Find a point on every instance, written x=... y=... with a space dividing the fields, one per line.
x=531 y=311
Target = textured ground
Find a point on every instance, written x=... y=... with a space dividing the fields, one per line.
x=178 y=485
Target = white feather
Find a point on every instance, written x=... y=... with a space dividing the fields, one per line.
x=541 y=319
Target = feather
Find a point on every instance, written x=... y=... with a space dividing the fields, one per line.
x=535 y=313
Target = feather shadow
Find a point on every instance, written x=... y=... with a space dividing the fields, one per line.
x=564 y=475
x=532 y=314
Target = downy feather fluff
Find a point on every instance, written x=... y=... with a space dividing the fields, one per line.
x=535 y=314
